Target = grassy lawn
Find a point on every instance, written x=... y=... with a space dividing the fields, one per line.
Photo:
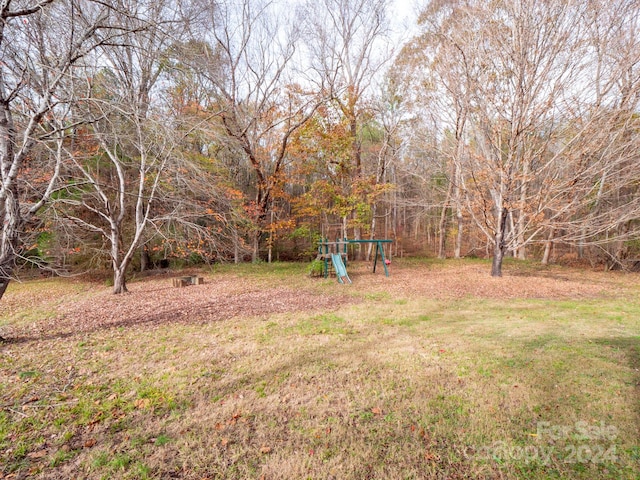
x=385 y=385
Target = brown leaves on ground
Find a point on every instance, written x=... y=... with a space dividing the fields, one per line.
x=460 y=279
x=154 y=301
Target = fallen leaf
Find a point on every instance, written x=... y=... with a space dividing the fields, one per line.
x=38 y=454
x=376 y=411
x=265 y=450
x=90 y=443
x=430 y=456
x=142 y=403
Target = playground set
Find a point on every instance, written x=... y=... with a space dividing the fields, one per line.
x=336 y=253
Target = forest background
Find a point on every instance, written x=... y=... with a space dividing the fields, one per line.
x=141 y=134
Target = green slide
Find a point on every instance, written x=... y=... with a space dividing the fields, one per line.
x=341 y=270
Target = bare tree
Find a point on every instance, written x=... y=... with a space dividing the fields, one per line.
x=255 y=103
x=443 y=76
x=41 y=44
x=348 y=47
x=129 y=144
x=545 y=110
x=608 y=138
x=515 y=63
x=390 y=111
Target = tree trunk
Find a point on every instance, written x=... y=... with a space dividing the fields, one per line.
x=499 y=246
x=457 y=253
x=255 y=254
x=269 y=258
x=145 y=260
x=358 y=236
x=118 y=263
x=119 y=280
x=522 y=252
x=512 y=228
x=442 y=232
x=522 y=216
x=4 y=283
x=581 y=242
x=522 y=248
x=236 y=246
x=547 y=248
x=9 y=204
x=374 y=211
x=496 y=264
x=621 y=248
x=457 y=178
x=442 y=225
x=9 y=237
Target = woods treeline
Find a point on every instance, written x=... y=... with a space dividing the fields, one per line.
x=136 y=133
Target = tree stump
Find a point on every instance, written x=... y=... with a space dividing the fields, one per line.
x=186 y=281
x=181 y=282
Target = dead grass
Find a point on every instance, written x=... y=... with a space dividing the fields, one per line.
x=435 y=372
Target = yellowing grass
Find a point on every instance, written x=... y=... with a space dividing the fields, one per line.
x=387 y=385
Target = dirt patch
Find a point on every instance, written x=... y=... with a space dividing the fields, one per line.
x=155 y=302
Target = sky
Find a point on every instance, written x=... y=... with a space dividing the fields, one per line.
x=403 y=14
